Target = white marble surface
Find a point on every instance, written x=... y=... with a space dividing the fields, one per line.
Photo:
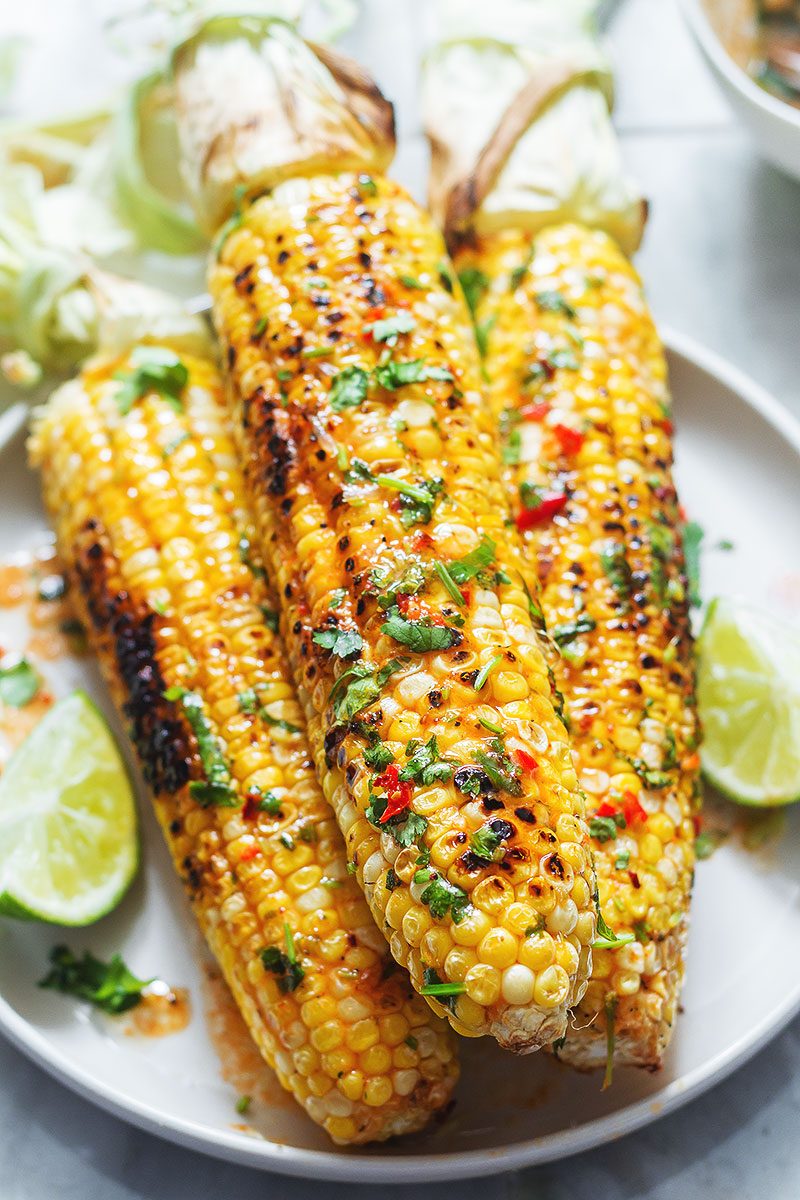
x=722 y=262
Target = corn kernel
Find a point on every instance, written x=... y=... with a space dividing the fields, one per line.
x=537 y=951
x=483 y=983
x=518 y=984
x=552 y=987
x=377 y=1091
x=498 y=948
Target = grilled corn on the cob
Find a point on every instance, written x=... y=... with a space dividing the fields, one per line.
x=141 y=479
x=579 y=393
x=378 y=495
x=579 y=397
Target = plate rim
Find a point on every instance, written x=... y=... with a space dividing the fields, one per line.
x=416 y=1168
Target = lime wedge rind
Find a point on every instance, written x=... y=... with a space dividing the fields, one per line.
x=70 y=848
x=749 y=697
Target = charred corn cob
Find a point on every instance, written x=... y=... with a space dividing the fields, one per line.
x=578 y=393
x=141 y=480
x=377 y=491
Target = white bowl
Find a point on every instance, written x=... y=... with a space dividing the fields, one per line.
x=773 y=124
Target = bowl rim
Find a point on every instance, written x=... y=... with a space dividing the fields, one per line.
x=710 y=43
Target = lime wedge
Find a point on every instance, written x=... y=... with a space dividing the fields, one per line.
x=68 y=842
x=749 y=698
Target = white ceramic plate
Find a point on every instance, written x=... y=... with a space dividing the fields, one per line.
x=739 y=472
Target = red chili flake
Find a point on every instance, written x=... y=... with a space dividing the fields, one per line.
x=398 y=792
x=634 y=878
x=534 y=412
x=697 y=821
x=607 y=809
x=465 y=594
x=411 y=607
x=525 y=760
x=529 y=518
x=249 y=853
x=250 y=807
x=682 y=513
x=422 y=540
x=667 y=426
x=570 y=440
x=632 y=808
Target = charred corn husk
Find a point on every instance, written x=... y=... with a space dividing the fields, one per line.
x=579 y=397
x=141 y=480
x=379 y=500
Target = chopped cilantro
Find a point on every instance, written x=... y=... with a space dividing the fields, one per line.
x=410 y=281
x=248 y=700
x=389 y=328
x=616 y=568
x=622 y=860
x=485 y=843
x=284 y=965
x=18 y=684
x=217 y=787
x=359 y=686
x=338 y=596
x=563 y=634
x=342 y=643
x=512 y=448
x=392 y=375
x=486 y=670
x=172 y=445
x=420 y=636
x=424 y=764
x=378 y=757
x=466 y=568
x=243 y=1105
x=349 y=389
x=155 y=369
x=705 y=844
x=108 y=986
x=518 y=274
x=564 y=359
x=502 y=772
x=651 y=778
x=277 y=722
x=316 y=351
x=443 y=898
x=449 y=584
x=270 y=616
x=482 y=331
x=367 y=185
x=604 y=829
x=693 y=535
x=552 y=301
x=417 y=500
x=475 y=284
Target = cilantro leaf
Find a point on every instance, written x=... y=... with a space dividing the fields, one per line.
x=485 y=843
x=693 y=535
x=604 y=829
x=616 y=568
x=277 y=722
x=409 y=831
x=475 y=284
x=419 y=636
x=361 y=684
x=392 y=375
x=217 y=787
x=18 y=684
x=349 y=389
x=338 y=597
x=387 y=329
x=378 y=757
x=424 y=764
x=552 y=301
x=284 y=964
x=563 y=634
x=443 y=898
x=155 y=369
x=109 y=986
x=342 y=643
x=502 y=772
x=479 y=559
